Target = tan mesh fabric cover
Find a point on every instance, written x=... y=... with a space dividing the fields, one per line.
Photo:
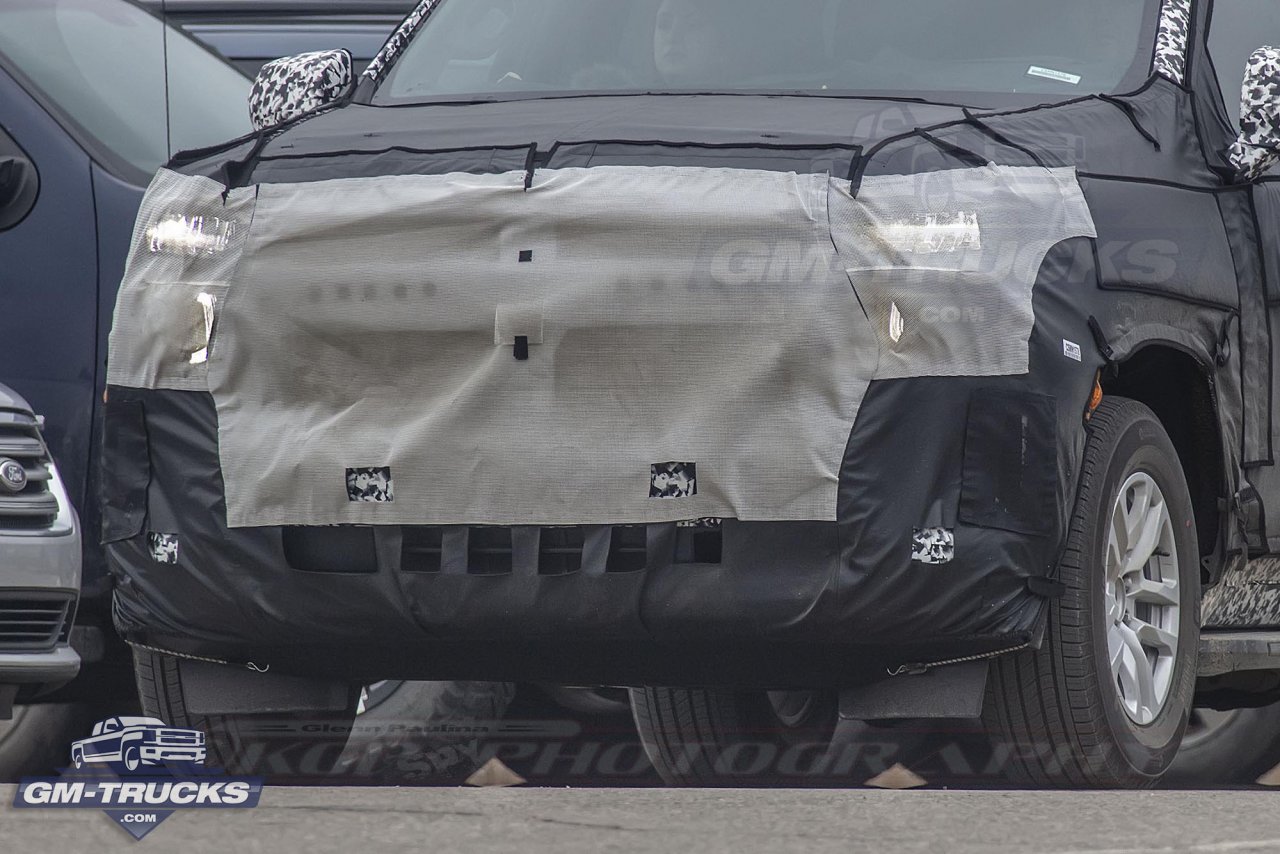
x=692 y=343
x=159 y=320
x=962 y=311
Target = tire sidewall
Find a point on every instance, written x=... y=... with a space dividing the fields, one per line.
x=1243 y=749
x=1143 y=446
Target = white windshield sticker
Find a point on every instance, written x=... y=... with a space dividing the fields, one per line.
x=1049 y=73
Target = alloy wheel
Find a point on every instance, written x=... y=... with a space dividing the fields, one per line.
x=1142 y=598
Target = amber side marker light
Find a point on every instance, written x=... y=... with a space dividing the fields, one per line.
x=1095 y=397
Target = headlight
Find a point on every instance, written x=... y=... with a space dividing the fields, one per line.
x=932 y=233
x=194 y=235
x=207 y=303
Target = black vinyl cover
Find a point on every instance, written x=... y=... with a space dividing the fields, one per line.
x=1176 y=264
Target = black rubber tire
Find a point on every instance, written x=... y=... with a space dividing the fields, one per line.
x=702 y=737
x=36 y=739
x=307 y=747
x=1054 y=714
x=425 y=730
x=1237 y=753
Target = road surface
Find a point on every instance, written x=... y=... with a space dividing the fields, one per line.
x=567 y=821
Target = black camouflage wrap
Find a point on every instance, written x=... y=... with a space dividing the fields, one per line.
x=396 y=43
x=1172 y=40
x=294 y=85
x=942 y=539
x=673 y=480
x=933 y=545
x=371 y=484
x=1255 y=151
x=163 y=547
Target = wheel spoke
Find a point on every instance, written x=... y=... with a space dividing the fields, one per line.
x=1151 y=636
x=1126 y=669
x=1117 y=540
x=1115 y=552
x=1147 y=536
x=1115 y=649
x=1156 y=592
x=1135 y=514
x=1140 y=672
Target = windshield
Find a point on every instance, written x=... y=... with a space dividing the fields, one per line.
x=494 y=47
x=100 y=64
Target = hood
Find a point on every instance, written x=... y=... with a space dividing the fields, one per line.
x=340 y=143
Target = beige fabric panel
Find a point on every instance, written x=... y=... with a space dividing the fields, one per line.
x=950 y=295
x=696 y=339
x=172 y=291
x=674 y=315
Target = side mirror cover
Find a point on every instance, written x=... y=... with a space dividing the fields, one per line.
x=1257 y=148
x=19 y=187
x=295 y=85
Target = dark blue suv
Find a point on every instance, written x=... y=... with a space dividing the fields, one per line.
x=94 y=95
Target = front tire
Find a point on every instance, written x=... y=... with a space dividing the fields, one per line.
x=702 y=737
x=1104 y=702
x=276 y=746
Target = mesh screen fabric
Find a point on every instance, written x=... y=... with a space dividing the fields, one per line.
x=693 y=314
x=159 y=322
x=966 y=311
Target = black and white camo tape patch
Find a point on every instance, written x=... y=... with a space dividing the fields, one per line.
x=399 y=39
x=371 y=485
x=1254 y=152
x=1247 y=597
x=163 y=547
x=933 y=545
x=673 y=480
x=1172 y=39
x=288 y=87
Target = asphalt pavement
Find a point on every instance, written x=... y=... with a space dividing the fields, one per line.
x=566 y=821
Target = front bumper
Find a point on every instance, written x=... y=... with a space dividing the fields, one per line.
x=169 y=753
x=39 y=586
x=748 y=603
x=46 y=668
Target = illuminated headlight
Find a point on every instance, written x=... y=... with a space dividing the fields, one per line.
x=932 y=233
x=191 y=235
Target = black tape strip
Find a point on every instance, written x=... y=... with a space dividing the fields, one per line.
x=406 y=149
x=1132 y=114
x=865 y=161
x=1100 y=340
x=235 y=173
x=951 y=149
x=984 y=128
x=530 y=164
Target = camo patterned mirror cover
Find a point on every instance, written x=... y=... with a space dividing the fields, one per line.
x=288 y=87
x=1258 y=147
